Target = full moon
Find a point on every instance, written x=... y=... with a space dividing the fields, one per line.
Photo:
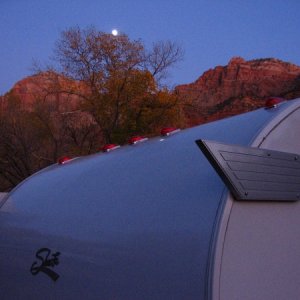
x=114 y=32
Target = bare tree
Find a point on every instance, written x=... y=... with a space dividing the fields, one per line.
x=35 y=137
x=163 y=55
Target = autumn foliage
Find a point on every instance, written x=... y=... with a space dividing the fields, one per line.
x=101 y=89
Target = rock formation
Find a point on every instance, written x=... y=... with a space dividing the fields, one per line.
x=46 y=87
x=238 y=87
x=220 y=92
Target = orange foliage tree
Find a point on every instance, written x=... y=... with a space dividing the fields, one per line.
x=124 y=89
x=103 y=89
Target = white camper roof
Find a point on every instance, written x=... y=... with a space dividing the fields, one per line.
x=135 y=223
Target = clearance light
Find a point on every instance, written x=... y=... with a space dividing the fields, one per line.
x=169 y=131
x=273 y=102
x=62 y=160
x=137 y=139
x=110 y=147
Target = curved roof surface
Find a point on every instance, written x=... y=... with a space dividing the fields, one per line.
x=135 y=223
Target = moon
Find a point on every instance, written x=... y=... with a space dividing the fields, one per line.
x=114 y=32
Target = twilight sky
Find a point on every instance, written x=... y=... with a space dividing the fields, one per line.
x=209 y=31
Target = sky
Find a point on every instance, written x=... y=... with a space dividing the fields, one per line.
x=210 y=32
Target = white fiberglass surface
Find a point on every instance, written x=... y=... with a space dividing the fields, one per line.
x=258 y=251
x=135 y=223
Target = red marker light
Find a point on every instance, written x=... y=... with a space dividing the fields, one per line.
x=62 y=160
x=273 y=102
x=137 y=139
x=110 y=147
x=168 y=131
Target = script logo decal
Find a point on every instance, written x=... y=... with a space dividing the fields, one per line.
x=45 y=263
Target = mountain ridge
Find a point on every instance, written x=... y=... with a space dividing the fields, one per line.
x=238 y=87
x=219 y=92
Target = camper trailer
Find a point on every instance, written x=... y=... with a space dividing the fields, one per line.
x=209 y=212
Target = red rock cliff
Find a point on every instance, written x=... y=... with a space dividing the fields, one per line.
x=220 y=92
x=238 y=87
x=46 y=87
